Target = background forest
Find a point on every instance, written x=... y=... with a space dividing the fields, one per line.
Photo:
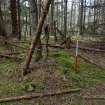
x=52 y=52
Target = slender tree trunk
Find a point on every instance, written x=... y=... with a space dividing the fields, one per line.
x=26 y=26
x=65 y=18
x=39 y=9
x=52 y=17
x=37 y=37
x=13 y=6
x=2 y=25
x=52 y=21
x=30 y=28
x=35 y=16
x=19 y=19
x=62 y=9
x=39 y=51
x=81 y=17
x=71 y=18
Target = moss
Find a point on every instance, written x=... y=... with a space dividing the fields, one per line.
x=88 y=75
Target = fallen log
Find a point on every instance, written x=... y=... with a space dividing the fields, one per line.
x=88 y=49
x=53 y=46
x=81 y=48
x=12 y=44
x=29 y=42
x=72 y=53
x=38 y=95
x=90 y=61
x=10 y=57
x=12 y=53
x=102 y=97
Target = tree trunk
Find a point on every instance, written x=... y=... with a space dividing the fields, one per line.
x=13 y=7
x=53 y=23
x=2 y=25
x=39 y=9
x=65 y=18
x=52 y=17
x=37 y=37
x=81 y=18
x=35 y=15
x=19 y=19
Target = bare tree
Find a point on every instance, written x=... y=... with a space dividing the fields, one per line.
x=37 y=37
x=13 y=6
x=2 y=25
x=19 y=19
x=65 y=18
x=35 y=15
x=81 y=17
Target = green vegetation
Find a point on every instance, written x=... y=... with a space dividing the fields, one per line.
x=88 y=74
x=10 y=86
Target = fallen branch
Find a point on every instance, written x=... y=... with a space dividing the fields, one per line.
x=84 y=58
x=90 y=61
x=53 y=46
x=12 y=53
x=94 y=97
x=16 y=45
x=22 y=42
x=10 y=57
x=88 y=49
x=72 y=46
x=38 y=95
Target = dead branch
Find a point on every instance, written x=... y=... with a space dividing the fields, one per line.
x=53 y=46
x=81 y=48
x=88 y=49
x=38 y=95
x=12 y=44
x=84 y=58
x=90 y=61
x=94 y=97
x=9 y=57
x=12 y=53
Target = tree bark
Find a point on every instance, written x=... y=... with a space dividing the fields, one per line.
x=81 y=18
x=13 y=6
x=34 y=15
x=39 y=9
x=2 y=25
x=53 y=22
x=37 y=36
x=65 y=18
x=19 y=19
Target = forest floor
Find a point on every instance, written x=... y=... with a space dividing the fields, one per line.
x=57 y=73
